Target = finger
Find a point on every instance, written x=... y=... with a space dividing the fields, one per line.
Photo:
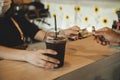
x=103 y=43
x=50 y=59
x=49 y=65
x=73 y=32
x=97 y=39
x=75 y=28
x=45 y=64
x=114 y=44
x=97 y=33
x=48 y=51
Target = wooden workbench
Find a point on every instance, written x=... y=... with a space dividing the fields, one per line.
x=78 y=54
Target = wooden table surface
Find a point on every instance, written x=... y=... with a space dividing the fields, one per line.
x=78 y=54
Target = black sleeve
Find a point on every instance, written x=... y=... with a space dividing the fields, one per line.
x=28 y=28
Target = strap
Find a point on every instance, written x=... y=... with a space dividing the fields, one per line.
x=19 y=29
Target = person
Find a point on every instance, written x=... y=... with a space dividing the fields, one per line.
x=12 y=32
x=107 y=36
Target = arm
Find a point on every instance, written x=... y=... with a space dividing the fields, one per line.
x=36 y=58
x=72 y=31
x=12 y=54
x=40 y=35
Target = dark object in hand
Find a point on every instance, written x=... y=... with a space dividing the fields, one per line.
x=102 y=39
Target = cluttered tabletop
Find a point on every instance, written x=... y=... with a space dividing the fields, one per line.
x=78 y=54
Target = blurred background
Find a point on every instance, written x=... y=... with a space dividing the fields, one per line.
x=84 y=13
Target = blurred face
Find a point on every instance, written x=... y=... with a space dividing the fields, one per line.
x=4 y=6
